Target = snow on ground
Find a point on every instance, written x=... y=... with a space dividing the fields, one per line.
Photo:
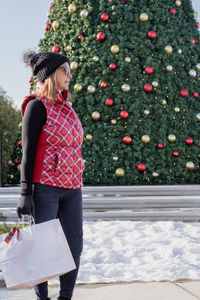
x=145 y=251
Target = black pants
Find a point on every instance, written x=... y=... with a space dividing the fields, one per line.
x=65 y=204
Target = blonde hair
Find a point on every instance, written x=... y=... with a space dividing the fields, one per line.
x=49 y=90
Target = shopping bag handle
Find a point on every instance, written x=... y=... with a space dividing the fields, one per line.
x=30 y=220
x=11 y=233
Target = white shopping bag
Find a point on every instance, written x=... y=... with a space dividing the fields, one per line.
x=41 y=253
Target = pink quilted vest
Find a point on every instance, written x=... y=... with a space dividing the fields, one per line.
x=58 y=159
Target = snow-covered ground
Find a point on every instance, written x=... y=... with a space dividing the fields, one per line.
x=145 y=251
x=128 y=251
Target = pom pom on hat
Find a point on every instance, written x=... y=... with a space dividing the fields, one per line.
x=28 y=56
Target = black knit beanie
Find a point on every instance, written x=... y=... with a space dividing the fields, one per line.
x=44 y=64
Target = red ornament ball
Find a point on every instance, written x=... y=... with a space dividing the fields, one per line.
x=103 y=84
x=195 y=94
x=149 y=70
x=16 y=161
x=31 y=80
x=109 y=102
x=55 y=48
x=175 y=153
x=127 y=140
x=173 y=11
x=192 y=41
x=151 y=34
x=20 y=144
x=189 y=141
x=112 y=66
x=53 y=9
x=80 y=37
x=101 y=36
x=47 y=27
x=183 y=93
x=160 y=146
x=124 y=114
x=105 y=17
x=141 y=167
x=148 y=88
x=197 y=24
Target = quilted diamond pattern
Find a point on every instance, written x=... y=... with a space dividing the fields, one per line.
x=63 y=164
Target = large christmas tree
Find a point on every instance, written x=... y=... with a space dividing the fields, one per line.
x=135 y=86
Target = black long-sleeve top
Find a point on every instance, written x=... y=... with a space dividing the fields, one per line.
x=34 y=119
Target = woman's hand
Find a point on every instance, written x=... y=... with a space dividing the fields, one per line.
x=25 y=205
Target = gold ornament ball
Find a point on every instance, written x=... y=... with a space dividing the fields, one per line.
x=128 y=59
x=113 y=121
x=190 y=165
x=18 y=168
x=84 y=13
x=155 y=84
x=119 y=172
x=69 y=48
x=55 y=25
x=171 y=137
x=169 y=49
x=96 y=58
x=96 y=115
x=198 y=67
x=58 y=0
x=192 y=73
x=169 y=68
x=177 y=109
x=178 y=3
x=88 y=137
x=72 y=8
x=144 y=17
x=74 y=65
x=91 y=89
x=126 y=88
x=145 y=139
x=155 y=174
x=164 y=102
x=115 y=158
x=196 y=14
x=77 y=87
x=180 y=51
x=147 y=112
x=114 y=49
x=198 y=116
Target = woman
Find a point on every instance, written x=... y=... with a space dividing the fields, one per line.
x=52 y=136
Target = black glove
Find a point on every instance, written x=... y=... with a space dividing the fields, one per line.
x=25 y=205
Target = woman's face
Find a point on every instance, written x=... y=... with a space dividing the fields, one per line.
x=63 y=77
